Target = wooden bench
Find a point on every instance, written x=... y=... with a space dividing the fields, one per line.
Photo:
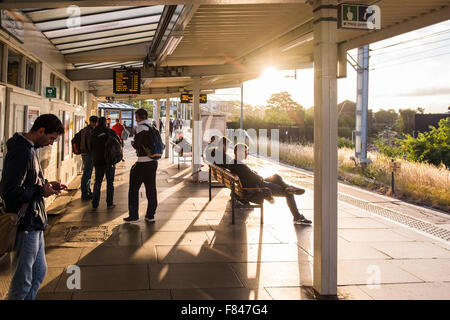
x=226 y=179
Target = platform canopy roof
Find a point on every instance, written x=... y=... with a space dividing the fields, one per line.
x=222 y=42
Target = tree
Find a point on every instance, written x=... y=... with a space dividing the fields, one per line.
x=432 y=146
x=141 y=104
x=406 y=121
x=384 y=119
x=282 y=109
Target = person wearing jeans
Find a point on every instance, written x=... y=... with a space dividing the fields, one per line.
x=28 y=265
x=100 y=172
x=23 y=188
x=88 y=165
x=98 y=145
x=276 y=185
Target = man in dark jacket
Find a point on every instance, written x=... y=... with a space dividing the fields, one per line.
x=88 y=166
x=23 y=189
x=143 y=171
x=98 y=142
x=278 y=188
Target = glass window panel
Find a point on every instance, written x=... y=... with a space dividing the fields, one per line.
x=110 y=45
x=63 y=90
x=14 y=67
x=106 y=40
x=30 y=78
x=59 y=13
x=102 y=17
x=103 y=34
x=102 y=27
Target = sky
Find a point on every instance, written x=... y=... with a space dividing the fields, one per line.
x=408 y=71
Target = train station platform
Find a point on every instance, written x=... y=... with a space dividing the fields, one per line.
x=193 y=251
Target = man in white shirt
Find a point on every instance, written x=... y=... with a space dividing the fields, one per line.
x=143 y=171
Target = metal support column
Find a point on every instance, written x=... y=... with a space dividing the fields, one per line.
x=156 y=115
x=362 y=99
x=325 y=147
x=196 y=131
x=241 y=126
x=167 y=127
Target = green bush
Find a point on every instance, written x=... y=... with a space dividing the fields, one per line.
x=345 y=143
x=431 y=147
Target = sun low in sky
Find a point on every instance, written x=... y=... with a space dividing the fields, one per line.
x=408 y=71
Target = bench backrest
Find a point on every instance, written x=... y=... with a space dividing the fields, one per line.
x=227 y=178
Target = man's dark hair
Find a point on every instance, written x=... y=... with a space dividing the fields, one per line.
x=142 y=113
x=49 y=122
x=117 y=120
x=101 y=123
x=93 y=119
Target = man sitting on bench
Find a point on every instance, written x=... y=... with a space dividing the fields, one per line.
x=278 y=188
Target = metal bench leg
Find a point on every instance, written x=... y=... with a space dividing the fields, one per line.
x=232 y=204
x=209 y=183
x=262 y=213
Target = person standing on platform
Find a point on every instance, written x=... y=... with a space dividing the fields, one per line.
x=170 y=127
x=88 y=165
x=118 y=128
x=23 y=189
x=98 y=146
x=143 y=171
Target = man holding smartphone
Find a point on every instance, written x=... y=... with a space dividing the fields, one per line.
x=23 y=188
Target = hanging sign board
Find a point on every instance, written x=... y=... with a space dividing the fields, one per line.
x=11 y=23
x=188 y=98
x=357 y=16
x=127 y=81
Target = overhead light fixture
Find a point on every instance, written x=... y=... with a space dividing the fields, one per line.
x=294 y=43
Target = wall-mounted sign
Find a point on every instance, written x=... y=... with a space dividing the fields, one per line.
x=127 y=81
x=356 y=16
x=11 y=23
x=50 y=92
x=188 y=98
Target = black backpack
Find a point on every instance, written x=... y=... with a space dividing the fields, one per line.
x=76 y=143
x=113 y=150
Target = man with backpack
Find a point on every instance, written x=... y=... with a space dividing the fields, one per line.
x=84 y=150
x=149 y=148
x=106 y=152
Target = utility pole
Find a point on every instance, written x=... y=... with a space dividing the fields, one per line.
x=362 y=98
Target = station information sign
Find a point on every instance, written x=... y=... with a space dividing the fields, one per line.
x=358 y=16
x=127 y=81
x=188 y=98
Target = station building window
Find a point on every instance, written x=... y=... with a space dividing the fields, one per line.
x=30 y=76
x=62 y=87
x=14 y=67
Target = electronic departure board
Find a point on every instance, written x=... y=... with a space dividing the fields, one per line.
x=187 y=98
x=127 y=81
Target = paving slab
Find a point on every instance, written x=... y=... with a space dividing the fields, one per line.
x=371 y=235
x=123 y=295
x=351 y=272
x=221 y=294
x=194 y=254
x=430 y=270
x=268 y=252
x=411 y=250
x=109 y=278
x=190 y=275
x=274 y=274
x=413 y=291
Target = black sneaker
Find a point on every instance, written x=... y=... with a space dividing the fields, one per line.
x=111 y=206
x=150 y=219
x=130 y=219
x=303 y=221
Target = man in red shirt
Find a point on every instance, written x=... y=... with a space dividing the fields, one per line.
x=118 y=128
